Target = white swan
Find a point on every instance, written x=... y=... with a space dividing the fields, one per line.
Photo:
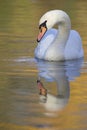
x=53 y=45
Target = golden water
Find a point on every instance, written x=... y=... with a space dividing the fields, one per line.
x=20 y=106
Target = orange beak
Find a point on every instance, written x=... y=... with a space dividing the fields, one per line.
x=41 y=88
x=41 y=33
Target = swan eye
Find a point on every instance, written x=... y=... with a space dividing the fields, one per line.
x=43 y=24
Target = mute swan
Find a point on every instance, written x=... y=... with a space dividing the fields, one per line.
x=61 y=44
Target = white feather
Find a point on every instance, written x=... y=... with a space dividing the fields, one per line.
x=61 y=44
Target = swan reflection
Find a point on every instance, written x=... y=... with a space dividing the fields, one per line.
x=61 y=73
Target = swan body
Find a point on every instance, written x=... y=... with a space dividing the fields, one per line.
x=61 y=44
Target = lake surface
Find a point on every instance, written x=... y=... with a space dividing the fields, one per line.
x=21 y=106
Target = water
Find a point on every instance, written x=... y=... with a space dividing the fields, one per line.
x=21 y=106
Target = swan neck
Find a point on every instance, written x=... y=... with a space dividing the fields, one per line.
x=64 y=27
x=63 y=34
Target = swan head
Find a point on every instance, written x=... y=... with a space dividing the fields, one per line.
x=51 y=18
